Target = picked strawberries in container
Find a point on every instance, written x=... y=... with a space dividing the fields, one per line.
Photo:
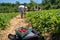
x=22 y=30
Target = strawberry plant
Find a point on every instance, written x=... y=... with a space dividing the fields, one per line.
x=45 y=20
x=5 y=18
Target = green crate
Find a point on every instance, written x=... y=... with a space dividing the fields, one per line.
x=22 y=34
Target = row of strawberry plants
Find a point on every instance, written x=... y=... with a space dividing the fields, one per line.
x=5 y=18
x=45 y=20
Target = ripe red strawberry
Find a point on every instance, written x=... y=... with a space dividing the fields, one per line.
x=24 y=30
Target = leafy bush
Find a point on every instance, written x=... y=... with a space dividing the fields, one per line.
x=45 y=21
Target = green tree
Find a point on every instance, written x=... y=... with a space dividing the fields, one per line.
x=51 y=4
x=32 y=4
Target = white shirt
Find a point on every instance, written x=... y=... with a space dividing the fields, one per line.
x=21 y=6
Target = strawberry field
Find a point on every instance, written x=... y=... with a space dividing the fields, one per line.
x=5 y=18
x=45 y=21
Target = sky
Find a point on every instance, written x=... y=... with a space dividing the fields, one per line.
x=21 y=1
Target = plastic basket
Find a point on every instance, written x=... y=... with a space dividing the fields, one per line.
x=22 y=34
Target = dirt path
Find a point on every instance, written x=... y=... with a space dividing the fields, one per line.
x=14 y=23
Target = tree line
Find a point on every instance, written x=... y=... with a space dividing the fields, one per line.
x=51 y=4
x=46 y=4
